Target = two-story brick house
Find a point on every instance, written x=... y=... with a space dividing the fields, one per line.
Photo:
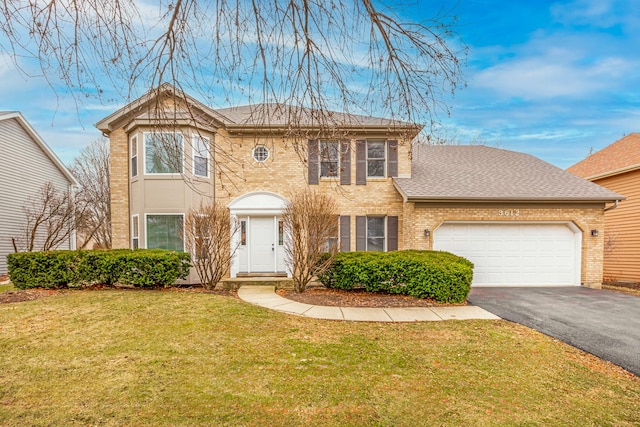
x=519 y=219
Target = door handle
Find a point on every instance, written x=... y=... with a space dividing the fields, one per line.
x=272 y=248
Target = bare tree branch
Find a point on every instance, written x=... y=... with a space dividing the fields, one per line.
x=360 y=57
x=91 y=169
x=311 y=225
x=208 y=232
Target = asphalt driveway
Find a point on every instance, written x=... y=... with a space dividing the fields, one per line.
x=603 y=323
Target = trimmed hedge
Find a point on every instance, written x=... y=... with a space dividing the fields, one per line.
x=62 y=269
x=441 y=276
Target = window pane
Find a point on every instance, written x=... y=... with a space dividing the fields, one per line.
x=375 y=150
x=201 y=146
x=375 y=158
x=375 y=234
x=163 y=153
x=375 y=168
x=328 y=169
x=134 y=156
x=329 y=152
x=135 y=226
x=243 y=233
x=200 y=166
x=164 y=232
x=280 y=232
x=375 y=244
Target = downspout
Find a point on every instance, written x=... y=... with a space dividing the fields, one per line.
x=615 y=205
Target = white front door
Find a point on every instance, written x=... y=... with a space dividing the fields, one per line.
x=262 y=244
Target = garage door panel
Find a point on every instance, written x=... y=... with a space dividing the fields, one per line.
x=515 y=254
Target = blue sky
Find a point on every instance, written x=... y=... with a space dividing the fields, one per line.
x=551 y=78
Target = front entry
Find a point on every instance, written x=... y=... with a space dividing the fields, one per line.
x=262 y=245
x=260 y=240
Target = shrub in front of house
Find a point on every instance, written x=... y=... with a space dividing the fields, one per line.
x=62 y=269
x=441 y=276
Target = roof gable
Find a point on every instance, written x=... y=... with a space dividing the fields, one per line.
x=473 y=172
x=151 y=108
x=619 y=157
x=8 y=115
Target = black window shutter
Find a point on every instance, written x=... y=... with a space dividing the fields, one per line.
x=361 y=162
x=392 y=162
x=361 y=233
x=392 y=233
x=345 y=163
x=313 y=162
x=345 y=233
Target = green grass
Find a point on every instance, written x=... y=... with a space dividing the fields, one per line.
x=7 y=287
x=163 y=358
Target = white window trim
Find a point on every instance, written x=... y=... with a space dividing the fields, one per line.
x=194 y=138
x=132 y=156
x=134 y=218
x=146 y=235
x=253 y=151
x=384 y=159
x=144 y=155
x=366 y=232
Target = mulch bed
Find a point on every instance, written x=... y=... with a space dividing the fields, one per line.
x=355 y=298
x=26 y=295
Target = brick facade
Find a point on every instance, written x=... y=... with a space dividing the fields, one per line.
x=236 y=173
x=119 y=176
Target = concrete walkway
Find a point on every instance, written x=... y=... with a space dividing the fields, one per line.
x=265 y=296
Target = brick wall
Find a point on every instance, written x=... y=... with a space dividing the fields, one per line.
x=585 y=218
x=285 y=171
x=119 y=181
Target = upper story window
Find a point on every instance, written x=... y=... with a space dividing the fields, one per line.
x=163 y=153
x=200 y=156
x=329 y=153
x=376 y=158
x=134 y=156
x=260 y=153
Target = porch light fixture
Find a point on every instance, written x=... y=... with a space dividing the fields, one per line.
x=594 y=233
x=427 y=233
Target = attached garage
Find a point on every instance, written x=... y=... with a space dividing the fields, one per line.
x=515 y=253
x=520 y=220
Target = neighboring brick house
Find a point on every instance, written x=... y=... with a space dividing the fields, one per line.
x=26 y=165
x=519 y=219
x=617 y=167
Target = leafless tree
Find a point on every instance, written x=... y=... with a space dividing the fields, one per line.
x=311 y=226
x=360 y=57
x=208 y=232
x=93 y=221
x=49 y=220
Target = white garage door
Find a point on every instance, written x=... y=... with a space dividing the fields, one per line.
x=515 y=254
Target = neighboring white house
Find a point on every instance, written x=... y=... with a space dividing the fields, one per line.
x=26 y=164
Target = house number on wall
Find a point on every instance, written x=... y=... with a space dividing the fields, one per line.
x=508 y=212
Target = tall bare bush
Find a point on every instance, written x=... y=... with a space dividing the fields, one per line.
x=311 y=227
x=208 y=232
x=91 y=169
x=49 y=220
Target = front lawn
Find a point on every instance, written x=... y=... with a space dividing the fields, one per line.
x=177 y=358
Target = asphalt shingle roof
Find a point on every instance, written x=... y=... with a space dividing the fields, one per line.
x=473 y=172
x=281 y=114
x=622 y=154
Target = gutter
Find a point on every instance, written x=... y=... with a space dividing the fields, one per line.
x=615 y=205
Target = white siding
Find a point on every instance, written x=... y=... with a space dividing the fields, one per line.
x=24 y=169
